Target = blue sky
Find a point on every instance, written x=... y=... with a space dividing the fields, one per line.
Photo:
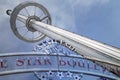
x=96 y=19
x=101 y=22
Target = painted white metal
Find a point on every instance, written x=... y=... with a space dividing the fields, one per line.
x=22 y=18
x=88 y=48
x=96 y=49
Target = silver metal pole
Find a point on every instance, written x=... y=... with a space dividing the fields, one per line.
x=84 y=46
x=77 y=40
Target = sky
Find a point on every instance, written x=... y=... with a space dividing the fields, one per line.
x=95 y=19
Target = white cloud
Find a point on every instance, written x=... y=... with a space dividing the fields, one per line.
x=82 y=7
x=62 y=14
x=87 y=3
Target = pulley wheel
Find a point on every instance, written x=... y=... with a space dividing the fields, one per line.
x=24 y=30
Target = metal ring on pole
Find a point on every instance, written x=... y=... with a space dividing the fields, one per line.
x=24 y=30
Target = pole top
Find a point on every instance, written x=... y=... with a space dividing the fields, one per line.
x=20 y=19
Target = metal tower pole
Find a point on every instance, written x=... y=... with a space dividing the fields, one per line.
x=76 y=41
x=86 y=47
